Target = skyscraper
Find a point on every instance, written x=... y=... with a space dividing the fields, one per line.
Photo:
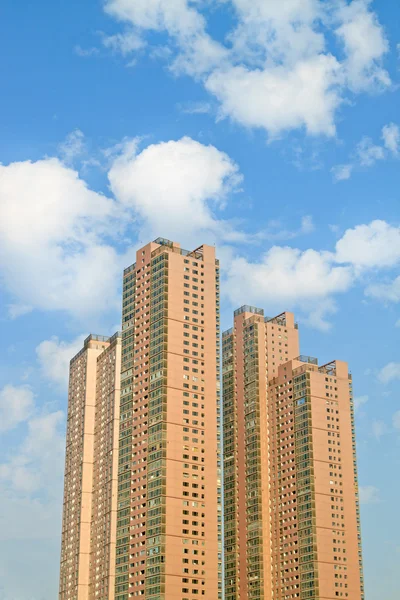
x=90 y=484
x=169 y=512
x=292 y=528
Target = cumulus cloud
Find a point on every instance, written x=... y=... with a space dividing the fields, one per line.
x=189 y=179
x=177 y=189
x=68 y=251
x=291 y=278
x=365 y=45
x=54 y=357
x=61 y=256
x=263 y=98
x=175 y=17
x=275 y=51
x=186 y=26
x=376 y=245
x=285 y=30
x=310 y=280
x=389 y=373
x=16 y=406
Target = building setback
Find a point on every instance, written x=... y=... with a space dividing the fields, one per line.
x=291 y=512
x=90 y=483
x=169 y=510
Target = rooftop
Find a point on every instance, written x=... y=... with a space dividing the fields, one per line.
x=250 y=309
x=97 y=338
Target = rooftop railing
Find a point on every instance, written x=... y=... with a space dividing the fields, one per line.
x=129 y=269
x=250 y=309
x=190 y=253
x=96 y=338
x=307 y=359
x=227 y=332
x=329 y=368
x=116 y=336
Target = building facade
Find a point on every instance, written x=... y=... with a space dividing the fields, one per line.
x=291 y=513
x=169 y=510
x=252 y=352
x=90 y=485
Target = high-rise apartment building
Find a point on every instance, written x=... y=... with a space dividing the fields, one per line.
x=252 y=352
x=91 y=469
x=292 y=527
x=169 y=511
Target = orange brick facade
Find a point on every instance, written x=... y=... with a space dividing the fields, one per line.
x=90 y=481
x=292 y=527
x=169 y=517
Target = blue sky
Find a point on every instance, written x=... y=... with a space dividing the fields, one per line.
x=268 y=128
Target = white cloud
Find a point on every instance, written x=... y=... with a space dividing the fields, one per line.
x=365 y=44
x=368 y=152
x=291 y=278
x=30 y=469
x=176 y=17
x=369 y=246
x=285 y=30
x=31 y=504
x=18 y=310
x=342 y=172
x=187 y=28
x=16 y=406
x=31 y=475
x=54 y=357
x=73 y=146
x=175 y=188
x=369 y=494
x=391 y=138
x=124 y=43
x=319 y=313
x=61 y=257
x=310 y=280
x=389 y=373
x=389 y=292
x=359 y=401
x=264 y=97
x=275 y=51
